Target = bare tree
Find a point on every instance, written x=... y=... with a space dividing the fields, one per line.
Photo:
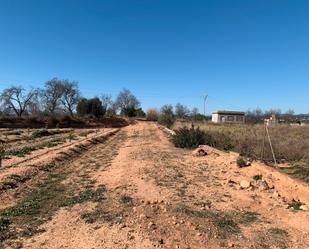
x=17 y=100
x=181 y=111
x=127 y=102
x=106 y=100
x=70 y=96
x=52 y=94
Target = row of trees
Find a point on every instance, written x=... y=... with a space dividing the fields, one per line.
x=56 y=96
x=167 y=115
x=125 y=103
x=258 y=115
x=63 y=97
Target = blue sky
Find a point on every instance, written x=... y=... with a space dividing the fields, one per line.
x=243 y=54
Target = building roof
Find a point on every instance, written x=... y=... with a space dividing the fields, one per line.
x=229 y=112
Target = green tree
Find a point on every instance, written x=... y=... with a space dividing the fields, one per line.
x=90 y=107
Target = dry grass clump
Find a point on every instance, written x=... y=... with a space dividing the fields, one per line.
x=291 y=143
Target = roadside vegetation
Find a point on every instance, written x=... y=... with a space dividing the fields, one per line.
x=291 y=143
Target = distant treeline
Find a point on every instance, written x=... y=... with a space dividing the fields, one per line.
x=60 y=98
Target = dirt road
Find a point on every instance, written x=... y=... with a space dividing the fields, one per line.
x=137 y=190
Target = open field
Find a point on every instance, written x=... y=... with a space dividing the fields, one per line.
x=131 y=188
x=290 y=143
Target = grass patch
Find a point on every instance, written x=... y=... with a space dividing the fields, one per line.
x=45 y=132
x=43 y=200
x=32 y=211
x=295 y=205
x=25 y=218
x=126 y=200
x=87 y=195
x=98 y=214
x=257 y=177
x=225 y=223
x=85 y=133
x=271 y=238
x=299 y=169
x=26 y=150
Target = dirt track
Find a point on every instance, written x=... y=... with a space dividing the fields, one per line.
x=138 y=191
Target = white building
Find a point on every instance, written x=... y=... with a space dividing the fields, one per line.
x=222 y=117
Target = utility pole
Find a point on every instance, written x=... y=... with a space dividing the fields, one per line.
x=205 y=97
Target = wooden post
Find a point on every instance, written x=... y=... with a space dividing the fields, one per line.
x=271 y=146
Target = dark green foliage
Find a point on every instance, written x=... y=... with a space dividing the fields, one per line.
x=190 y=138
x=241 y=162
x=87 y=195
x=21 y=152
x=140 y=113
x=90 y=107
x=127 y=200
x=4 y=224
x=295 y=205
x=28 y=149
x=257 y=177
x=4 y=229
x=41 y=201
x=41 y=133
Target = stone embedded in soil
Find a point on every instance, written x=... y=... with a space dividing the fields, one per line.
x=303 y=207
x=244 y=184
x=262 y=185
x=151 y=225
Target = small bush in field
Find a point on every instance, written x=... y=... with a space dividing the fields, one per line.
x=221 y=141
x=167 y=117
x=71 y=135
x=189 y=138
x=40 y=133
x=152 y=114
x=241 y=162
x=257 y=177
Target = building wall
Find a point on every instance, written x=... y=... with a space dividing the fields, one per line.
x=225 y=118
x=215 y=118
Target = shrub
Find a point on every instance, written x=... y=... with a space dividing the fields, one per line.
x=41 y=133
x=221 y=141
x=189 y=138
x=257 y=177
x=90 y=106
x=152 y=114
x=241 y=162
x=167 y=117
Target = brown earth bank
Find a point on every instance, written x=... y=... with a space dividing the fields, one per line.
x=136 y=190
